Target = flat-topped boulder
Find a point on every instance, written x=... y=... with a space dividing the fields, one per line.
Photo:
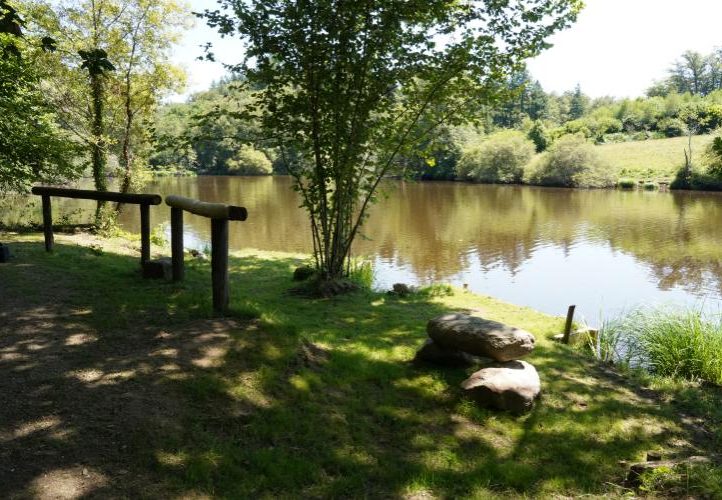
x=480 y=337
x=512 y=386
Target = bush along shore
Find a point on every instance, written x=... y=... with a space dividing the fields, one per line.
x=291 y=395
x=572 y=161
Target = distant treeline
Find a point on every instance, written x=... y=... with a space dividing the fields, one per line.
x=211 y=134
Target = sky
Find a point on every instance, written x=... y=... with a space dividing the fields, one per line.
x=616 y=47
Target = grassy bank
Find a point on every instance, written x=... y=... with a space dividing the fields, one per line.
x=131 y=388
x=656 y=159
x=572 y=161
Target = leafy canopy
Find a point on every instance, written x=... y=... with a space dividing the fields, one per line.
x=32 y=148
x=344 y=83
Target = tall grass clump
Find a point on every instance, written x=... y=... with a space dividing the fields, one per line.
x=571 y=162
x=626 y=183
x=680 y=344
x=499 y=158
x=361 y=272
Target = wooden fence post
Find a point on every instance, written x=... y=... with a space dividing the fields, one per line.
x=176 y=242
x=144 y=233
x=220 y=214
x=144 y=200
x=48 y=223
x=219 y=264
x=568 y=325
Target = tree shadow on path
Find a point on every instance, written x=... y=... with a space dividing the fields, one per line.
x=116 y=386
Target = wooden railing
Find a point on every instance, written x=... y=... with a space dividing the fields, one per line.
x=144 y=200
x=220 y=214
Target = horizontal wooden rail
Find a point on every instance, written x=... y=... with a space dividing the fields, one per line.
x=144 y=200
x=210 y=210
x=220 y=214
x=85 y=194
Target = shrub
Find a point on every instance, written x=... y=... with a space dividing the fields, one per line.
x=249 y=161
x=626 y=183
x=578 y=127
x=500 y=158
x=650 y=186
x=672 y=127
x=614 y=138
x=700 y=181
x=571 y=162
x=713 y=156
x=708 y=177
x=539 y=136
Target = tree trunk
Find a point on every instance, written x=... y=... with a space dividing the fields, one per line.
x=126 y=158
x=98 y=154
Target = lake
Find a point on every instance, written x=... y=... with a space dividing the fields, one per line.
x=603 y=250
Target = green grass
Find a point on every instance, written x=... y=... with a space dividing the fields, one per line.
x=626 y=183
x=657 y=159
x=356 y=419
x=677 y=344
x=683 y=481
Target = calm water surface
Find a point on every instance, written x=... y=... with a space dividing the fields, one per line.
x=545 y=248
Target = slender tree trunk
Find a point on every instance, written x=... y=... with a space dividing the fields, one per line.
x=126 y=156
x=98 y=153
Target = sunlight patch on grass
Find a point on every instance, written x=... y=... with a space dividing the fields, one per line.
x=169 y=459
x=319 y=398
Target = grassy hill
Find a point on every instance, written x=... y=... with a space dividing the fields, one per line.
x=656 y=159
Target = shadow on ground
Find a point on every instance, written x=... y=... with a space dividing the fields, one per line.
x=116 y=386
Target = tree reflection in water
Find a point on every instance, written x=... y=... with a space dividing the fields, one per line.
x=541 y=247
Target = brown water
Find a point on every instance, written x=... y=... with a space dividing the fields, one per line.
x=546 y=248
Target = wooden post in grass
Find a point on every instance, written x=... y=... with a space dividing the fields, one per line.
x=176 y=242
x=219 y=263
x=144 y=200
x=48 y=224
x=220 y=214
x=144 y=233
x=568 y=325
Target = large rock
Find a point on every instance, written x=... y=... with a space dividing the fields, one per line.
x=511 y=386
x=431 y=352
x=480 y=337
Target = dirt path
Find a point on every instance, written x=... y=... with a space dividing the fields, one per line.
x=76 y=403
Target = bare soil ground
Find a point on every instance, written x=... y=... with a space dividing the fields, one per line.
x=77 y=402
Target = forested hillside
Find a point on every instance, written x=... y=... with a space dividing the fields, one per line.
x=214 y=133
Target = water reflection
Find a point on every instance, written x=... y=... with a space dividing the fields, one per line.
x=546 y=248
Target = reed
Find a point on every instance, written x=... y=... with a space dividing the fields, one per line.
x=683 y=344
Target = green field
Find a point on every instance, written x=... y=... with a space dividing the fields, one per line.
x=656 y=159
x=122 y=387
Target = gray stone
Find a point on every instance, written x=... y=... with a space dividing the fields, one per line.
x=480 y=337
x=512 y=386
x=158 y=269
x=431 y=352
